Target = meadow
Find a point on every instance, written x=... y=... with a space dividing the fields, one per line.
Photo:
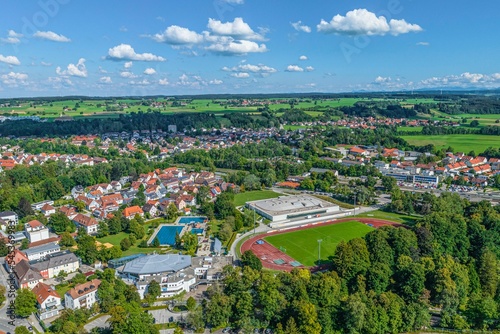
x=459 y=143
x=303 y=245
x=247 y=196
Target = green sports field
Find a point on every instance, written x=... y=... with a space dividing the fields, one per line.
x=247 y=196
x=303 y=245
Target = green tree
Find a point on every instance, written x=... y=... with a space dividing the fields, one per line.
x=2 y=294
x=248 y=258
x=22 y=330
x=156 y=242
x=171 y=212
x=24 y=244
x=223 y=205
x=4 y=250
x=25 y=303
x=191 y=303
x=251 y=182
x=488 y=273
x=60 y=223
x=67 y=240
x=87 y=249
x=125 y=244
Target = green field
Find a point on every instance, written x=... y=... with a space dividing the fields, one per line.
x=247 y=196
x=116 y=238
x=459 y=143
x=391 y=216
x=303 y=245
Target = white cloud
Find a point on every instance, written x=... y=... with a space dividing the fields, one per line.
x=127 y=52
x=176 y=35
x=303 y=58
x=216 y=82
x=78 y=70
x=163 y=82
x=14 y=79
x=128 y=64
x=143 y=82
x=11 y=60
x=381 y=79
x=300 y=27
x=127 y=74
x=12 y=37
x=294 y=68
x=260 y=68
x=234 y=2
x=423 y=44
x=51 y=36
x=149 y=71
x=238 y=29
x=240 y=75
x=363 y=22
x=309 y=68
x=45 y=63
x=233 y=47
x=106 y=80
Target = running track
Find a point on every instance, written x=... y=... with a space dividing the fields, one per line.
x=268 y=253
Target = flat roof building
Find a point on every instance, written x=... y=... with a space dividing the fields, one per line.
x=291 y=207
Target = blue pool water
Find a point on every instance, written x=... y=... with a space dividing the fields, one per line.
x=189 y=220
x=166 y=234
x=197 y=231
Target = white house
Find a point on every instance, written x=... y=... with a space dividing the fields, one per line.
x=47 y=210
x=88 y=223
x=82 y=295
x=9 y=216
x=36 y=231
x=48 y=301
x=40 y=252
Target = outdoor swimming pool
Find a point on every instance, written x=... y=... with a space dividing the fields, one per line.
x=166 y=234
x=197 y=231
x=189 y=220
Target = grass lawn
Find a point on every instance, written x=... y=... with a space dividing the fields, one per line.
x=247 y=196
x=390 y=216
x=61 y=290
x=303 y=245
x=116 y=238
x=459 y=143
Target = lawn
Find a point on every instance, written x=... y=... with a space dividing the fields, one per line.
x=459 y=143
x=247 y=196
x=116 y=238
x=390 y=216
x=303 y=245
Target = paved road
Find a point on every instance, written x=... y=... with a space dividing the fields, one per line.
x=99 y=322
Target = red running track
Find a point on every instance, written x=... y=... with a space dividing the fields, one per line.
x=267 y=253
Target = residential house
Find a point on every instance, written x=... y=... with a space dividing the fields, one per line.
x=47 y=210
x=130 y=212
x=48 y=301
x=82 y=295
x=9 y=216
x=36 y=231
x=77 y=191
x=358 y=151
x=25 y=276
x=90 y=204
x=68 y=211
x=150 y=209
x=39 y=205
x=53 y=264
x=88 y=223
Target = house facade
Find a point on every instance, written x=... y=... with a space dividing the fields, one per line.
x=82 y=295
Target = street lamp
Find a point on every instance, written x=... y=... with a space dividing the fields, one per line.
x=319 y=250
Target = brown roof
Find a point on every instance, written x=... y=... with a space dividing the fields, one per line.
x=83 y=289
x=132 y=211
x=35 y=223
x=84 y=220
x=44 y=291
x=25 y=273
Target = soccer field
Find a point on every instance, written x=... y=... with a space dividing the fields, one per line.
x=303 y=245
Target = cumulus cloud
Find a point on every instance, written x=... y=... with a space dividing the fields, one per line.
x=176 y=35
x=238 y=29
x=294 y=68
x=309 y=68
x=233 y=47
x=260 y=68
x=12 y=37
x=143 y=82
x=127 y=52
x=363 y=22
x=128 y=64
x=149 y=71
x=216 y=82
x=78 y=70
x=127 y=74
x=381 y=79
x=300 y=27
x=106 y=80
x=163 y=82
x=303 y=58
x=51 y=36
x=11 y=60
x=240 y=75
x=465 y=79
x=14 y=79
x=423 y=44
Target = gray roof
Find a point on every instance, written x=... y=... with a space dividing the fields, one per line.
x=217 y=245
x=54 y=260
x=156 y=263
x=7 y=214
x=43 y=248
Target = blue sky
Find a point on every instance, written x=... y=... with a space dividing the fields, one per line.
x=113 y=48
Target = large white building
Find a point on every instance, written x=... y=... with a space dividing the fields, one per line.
x=82 y=295
x=36 y=231
x=40 y=252
x=173 y=272
x=293 y=207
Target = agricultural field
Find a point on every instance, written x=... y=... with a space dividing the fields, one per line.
x=303 y=245
x=247 y=196
x=459 y=143
x=410 y=128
